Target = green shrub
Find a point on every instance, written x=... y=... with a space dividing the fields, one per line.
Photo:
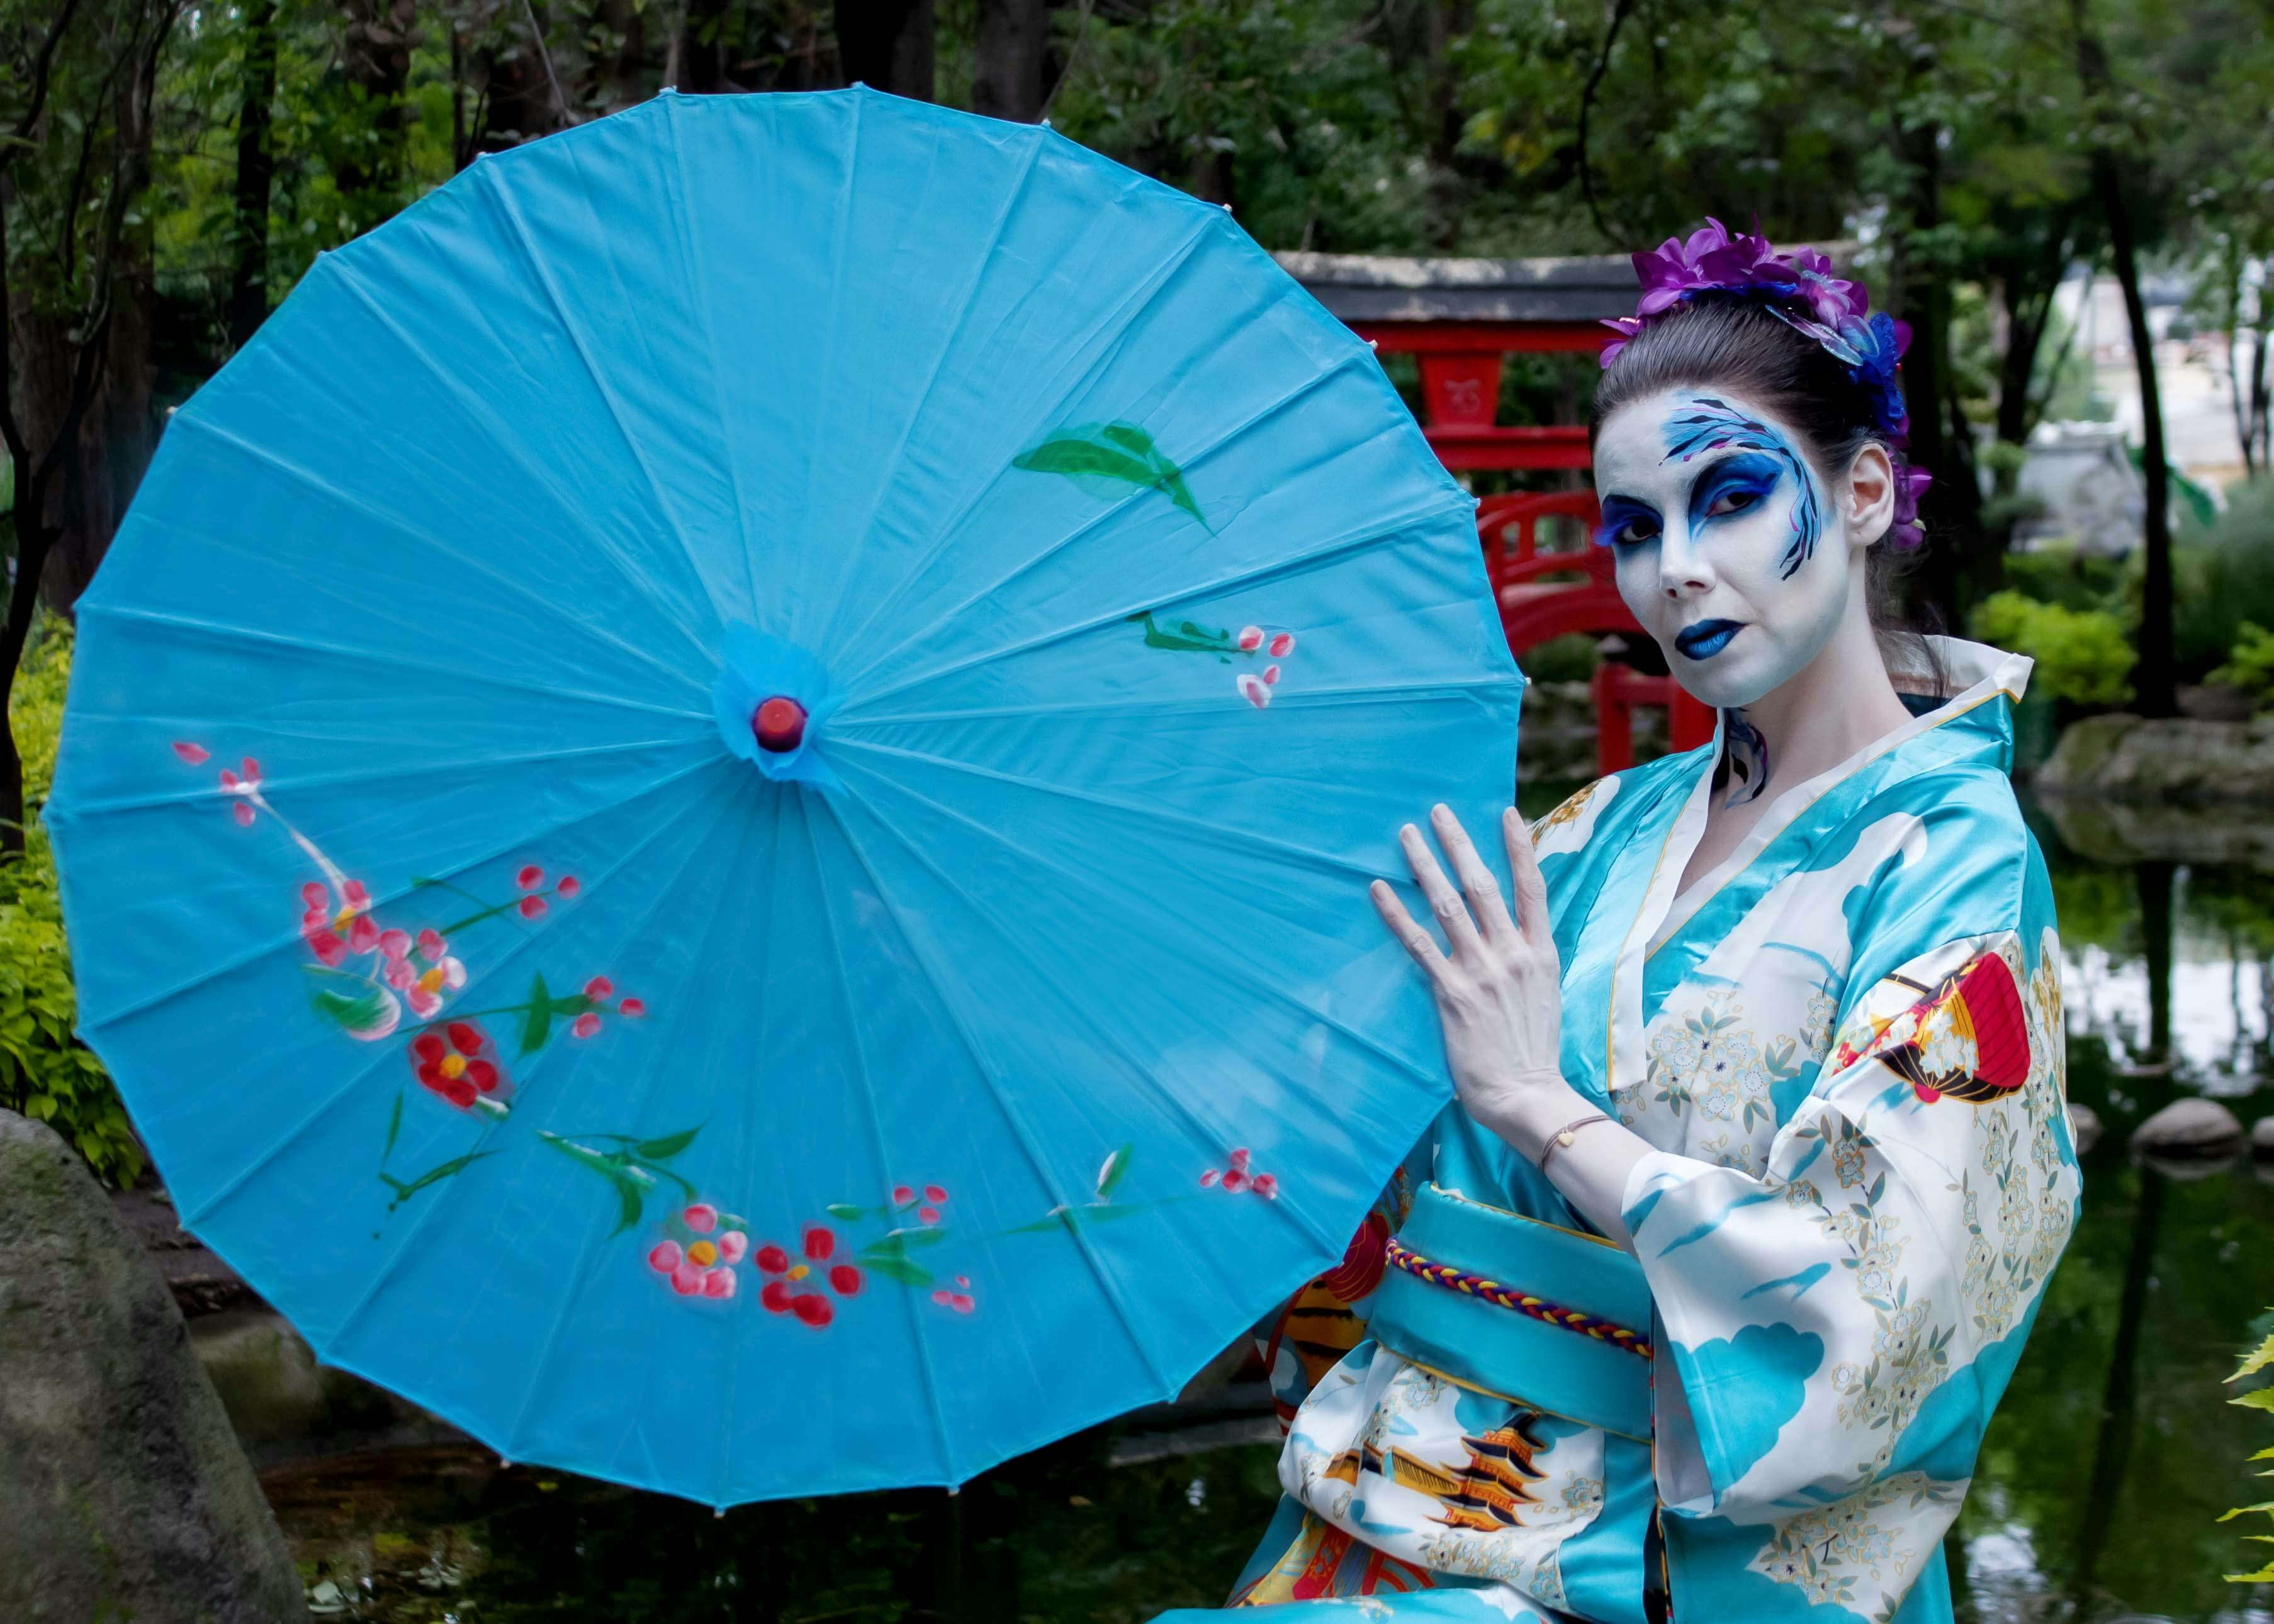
x=2082 y=655
x=45 y=1072
x=2250 y=664
x=2062 y=573
x=2254 y=1363
x=2223 y=575
x=1569 y=659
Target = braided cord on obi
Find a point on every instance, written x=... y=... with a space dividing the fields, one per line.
x=1538 y=1308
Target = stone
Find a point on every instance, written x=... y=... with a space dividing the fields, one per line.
x=284 y=1405
x=2084 y=1122
x=2124 y=832
x=2190 y=1128
x=127 y=1495
x=2262 y=1137
x=2174 y=758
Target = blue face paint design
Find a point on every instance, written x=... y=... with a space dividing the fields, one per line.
x=1712 y=425
x=1627 y=523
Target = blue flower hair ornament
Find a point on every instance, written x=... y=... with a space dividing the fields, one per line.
x=1799 y=289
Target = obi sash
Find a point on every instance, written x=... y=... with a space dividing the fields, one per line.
x=1538 y=1315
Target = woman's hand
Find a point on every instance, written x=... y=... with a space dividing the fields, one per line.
x=1497 y=986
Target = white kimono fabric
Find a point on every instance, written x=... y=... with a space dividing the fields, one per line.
x=1845 y=1045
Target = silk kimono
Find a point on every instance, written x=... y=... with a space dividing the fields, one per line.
x=1845 y=1046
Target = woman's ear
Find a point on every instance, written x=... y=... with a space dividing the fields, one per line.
x=1869 y=502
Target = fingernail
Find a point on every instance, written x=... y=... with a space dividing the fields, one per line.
x=1442 y=813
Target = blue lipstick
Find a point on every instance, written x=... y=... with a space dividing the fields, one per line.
x=1706 y=638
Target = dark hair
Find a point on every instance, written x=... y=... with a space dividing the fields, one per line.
x=1722 y=342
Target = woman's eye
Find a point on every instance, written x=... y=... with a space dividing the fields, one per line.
x=1732 y=501
x=1633 y=532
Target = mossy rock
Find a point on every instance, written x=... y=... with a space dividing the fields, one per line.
x=128 y=1496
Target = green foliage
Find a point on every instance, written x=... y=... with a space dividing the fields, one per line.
x=2225 y=578
x=2062 y=573
x=2082 y=656
x=45 y=1072
x=2257 y=1398
x=1569 y=659
x=2250 y=665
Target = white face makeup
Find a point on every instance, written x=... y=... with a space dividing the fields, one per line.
x=1728 y=550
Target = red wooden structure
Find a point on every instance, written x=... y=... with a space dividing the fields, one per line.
x=1460 y=320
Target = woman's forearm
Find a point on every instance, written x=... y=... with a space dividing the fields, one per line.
x=1592 y=1172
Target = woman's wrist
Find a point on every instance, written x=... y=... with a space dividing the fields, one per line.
x=1527 y=1112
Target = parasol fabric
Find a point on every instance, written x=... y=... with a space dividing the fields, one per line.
x=715 y=805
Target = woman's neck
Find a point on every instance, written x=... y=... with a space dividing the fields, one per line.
x=1833 y=707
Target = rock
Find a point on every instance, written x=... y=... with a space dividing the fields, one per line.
x=2084 y=1122
x=2124 y=832
x=127 y=1495
x=2262 y=1137
x=2189 y=1129
x=284 y=1405
x=2174 y=758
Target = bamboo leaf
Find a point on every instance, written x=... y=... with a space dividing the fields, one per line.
x=845 y=1212
x=1112 y=1171
x=536 y=1026
x=2262 y=1399
x=669 y=1146
x=629 y=1206
x=354 y=1006
x=1077 y=454
x=435 y=1175
x=394 y=1127
x=1129 y=436
x=901 y=1269
x=2257 y=1359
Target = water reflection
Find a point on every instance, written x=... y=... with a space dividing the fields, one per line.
x=2096 y=1499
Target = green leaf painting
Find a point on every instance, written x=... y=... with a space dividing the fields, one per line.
x=537 y=1025
x=1115 y=1169
x=1112 y=453
x=354 y=1005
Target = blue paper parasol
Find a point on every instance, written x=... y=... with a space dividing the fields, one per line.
x=715 y=805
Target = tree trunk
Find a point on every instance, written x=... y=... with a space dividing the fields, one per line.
x=887 y=45
x=2153 y=680
x=113 y=440
x=256 y=173
x=1950 y=512
x=1014 y=38
x=378 y=39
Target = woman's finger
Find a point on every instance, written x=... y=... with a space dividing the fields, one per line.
x=1461 y=938
x=1412 y=936
x=1530 y=890
x=1478 y=883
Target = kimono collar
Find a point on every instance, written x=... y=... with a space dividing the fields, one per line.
x=1974 y=676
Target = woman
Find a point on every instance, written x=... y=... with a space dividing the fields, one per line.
x=1700 y=1297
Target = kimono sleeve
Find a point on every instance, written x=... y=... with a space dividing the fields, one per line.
x=1843 y=1323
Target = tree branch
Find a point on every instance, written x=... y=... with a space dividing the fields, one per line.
x=1621 y=9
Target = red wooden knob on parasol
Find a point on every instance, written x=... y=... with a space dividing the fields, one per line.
x=780 y=724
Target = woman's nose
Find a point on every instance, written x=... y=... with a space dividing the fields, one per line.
x=1683 y=571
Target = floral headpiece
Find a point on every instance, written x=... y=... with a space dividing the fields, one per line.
x=1799 y=289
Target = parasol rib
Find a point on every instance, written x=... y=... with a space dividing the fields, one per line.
x=452 y=1189
x=508 y=446
x=861 y=1071
x=1348 y=543
x=511 y=213
x=1139 y=302
x=700 y=266
x=206 y=1203
x=964 y=302
x=941 y=983
x=598 y=1230
x=1099 y=522
x=1206 y=1136
x=230 y=966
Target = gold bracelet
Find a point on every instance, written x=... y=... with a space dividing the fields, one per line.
x=1561 y=1140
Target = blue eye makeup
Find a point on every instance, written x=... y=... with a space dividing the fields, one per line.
x=1627 y=523
x=1735 y=485
x=1709 y=424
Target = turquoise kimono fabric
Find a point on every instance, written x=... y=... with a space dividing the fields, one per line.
x=1844 y=1045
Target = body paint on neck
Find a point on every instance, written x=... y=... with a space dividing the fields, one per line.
x=1714 y=424
x=1744 y=759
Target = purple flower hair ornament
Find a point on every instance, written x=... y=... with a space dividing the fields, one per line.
x=1799 y=289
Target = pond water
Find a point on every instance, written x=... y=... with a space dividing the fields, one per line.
x=2096 y=1499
